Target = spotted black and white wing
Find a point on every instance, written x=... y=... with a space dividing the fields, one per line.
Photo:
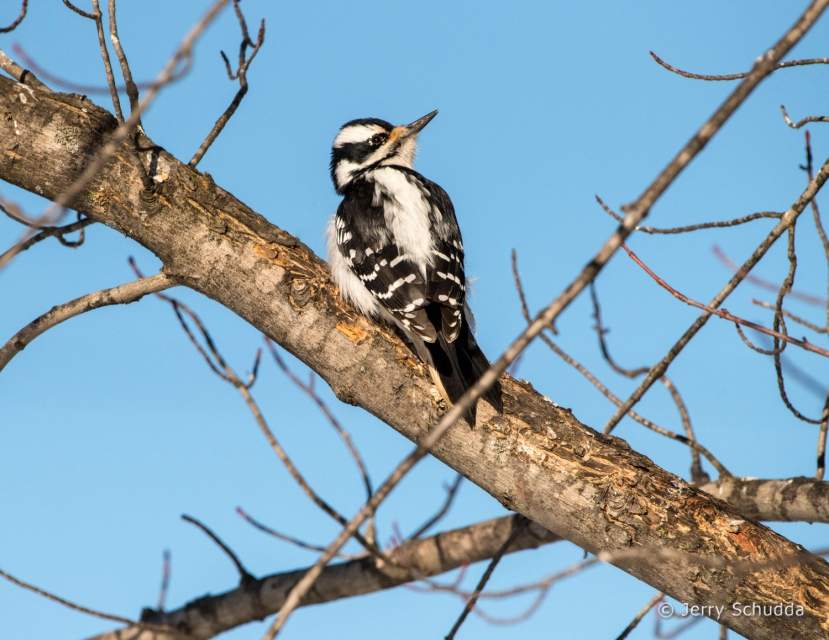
x=369 y=248
x=446 y=281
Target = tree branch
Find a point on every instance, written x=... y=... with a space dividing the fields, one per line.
x=123 y=294
x=536 y=458
x=209 y=616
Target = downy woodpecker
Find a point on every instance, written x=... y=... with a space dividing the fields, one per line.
x=395 y=251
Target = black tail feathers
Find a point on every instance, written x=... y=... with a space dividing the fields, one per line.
x=458 y=365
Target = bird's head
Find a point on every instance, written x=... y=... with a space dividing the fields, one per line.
x=370 y=142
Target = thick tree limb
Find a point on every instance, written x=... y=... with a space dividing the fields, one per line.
x=536 y=458
x=253 y=600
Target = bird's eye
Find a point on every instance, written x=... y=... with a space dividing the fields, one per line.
x=377 y=139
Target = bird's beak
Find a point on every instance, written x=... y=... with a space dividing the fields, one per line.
x=417 y=126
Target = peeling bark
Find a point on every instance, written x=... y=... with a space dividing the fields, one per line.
x=536 y=458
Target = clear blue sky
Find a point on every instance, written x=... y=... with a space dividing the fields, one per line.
x=112 y=426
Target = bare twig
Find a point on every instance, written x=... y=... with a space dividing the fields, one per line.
x=17 y=20
x=638 y=618
x=86 y=610
x=779 y=325
x=167 y=75
x=635 y=213
x=286 y=538
x=221 y=368
x=765 y=284
x=800 y=123
x=244 y=574
x=451 y=492
x=693 y=227
x=165 y=580
x=821 y=440
x=736 y=76
x=79 y=11
x=789 y=314
x=240 y=75
x=601 y=331
x=724 y=314
x=75 y=87
x=98 y=17
x=698 y=476
x=689 y=441
x=673 y=633
x=123 y=294
x=473 y=598
x=824 y=240
x=132 y=90
x=541 y=586
x=56 y=232
x=309 y=390
x=661 y=367
x=183 y=52
x=20 y=74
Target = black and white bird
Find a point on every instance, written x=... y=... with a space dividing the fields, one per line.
x=396 y=253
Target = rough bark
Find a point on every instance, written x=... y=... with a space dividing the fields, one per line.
x=536 y=458
x=789 y=500
x=257 y=598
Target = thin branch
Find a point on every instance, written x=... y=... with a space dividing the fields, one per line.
x=132 y=90
x=20 y=74
x=723 y=313
x=806 y=120
x=673 y=633
x=222 y=369
x=18 y=20
x=752 y=346
x=286 y=538
x=693 y=227
x=661 y=367
x=167 y=75
x=689 y=441
x=79 y=11
x=816 y=214
x=240 y=75
x=85 y=89
x=165 y=580
x=642 y=613
x=86 y=610
x=736 y=76
x=244 y=574
x=123 y=294
x=309 y=390
x=97 y=16
x=470 y=604
x=541 y=586
x=53 y=232
x=821 y=440
x=698 y=476
x=779 y=325
x=765 y=284
x=451 y=492
x=789 y=314
x=601 y=331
